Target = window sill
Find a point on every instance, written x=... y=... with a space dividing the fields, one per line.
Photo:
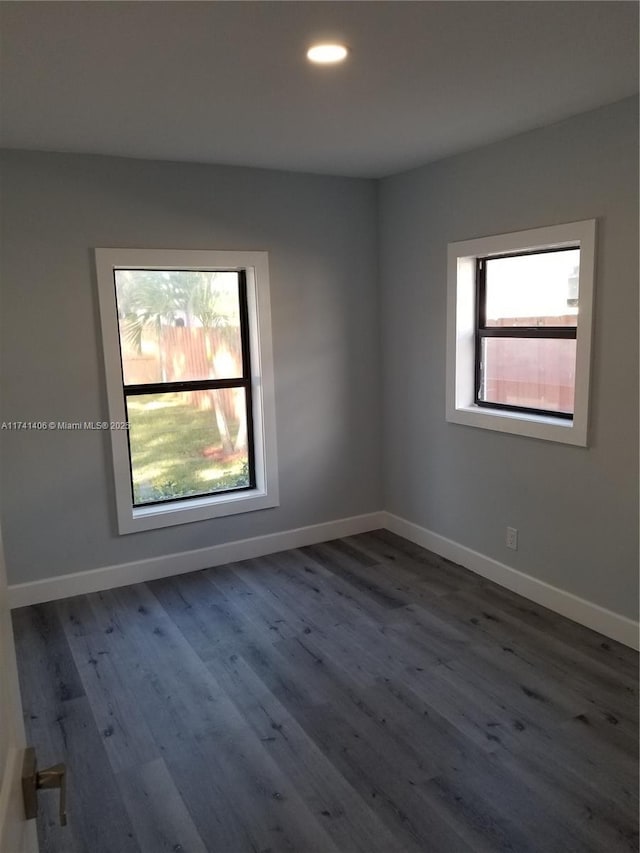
x=198 y=509
x=544 y=427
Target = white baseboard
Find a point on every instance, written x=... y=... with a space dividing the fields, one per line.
x=109 y=577
x=606 y=622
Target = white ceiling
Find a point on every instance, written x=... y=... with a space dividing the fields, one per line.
x=228 y=82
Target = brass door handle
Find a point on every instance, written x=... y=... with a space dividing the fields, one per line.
x=34 y=780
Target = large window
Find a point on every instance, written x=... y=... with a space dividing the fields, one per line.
x=519 y=332
x=189 y=379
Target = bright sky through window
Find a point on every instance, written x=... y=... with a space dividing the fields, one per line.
x=537 y=285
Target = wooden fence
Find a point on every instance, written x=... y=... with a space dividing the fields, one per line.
x=182 y=353
x=532 y=372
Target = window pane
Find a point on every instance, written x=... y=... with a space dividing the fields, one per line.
x=189 y=443
x=533 y=290
x=178 y=325
x=536 y=374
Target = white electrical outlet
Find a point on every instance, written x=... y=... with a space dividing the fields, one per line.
x=512 y=538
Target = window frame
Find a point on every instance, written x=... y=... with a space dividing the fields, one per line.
x=263 y=492
x=483 y=331
x=464 y=324
x=243 y=381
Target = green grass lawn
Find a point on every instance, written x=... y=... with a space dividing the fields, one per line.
x=176 y=450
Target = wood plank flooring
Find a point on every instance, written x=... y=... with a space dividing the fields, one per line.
x=360 y=696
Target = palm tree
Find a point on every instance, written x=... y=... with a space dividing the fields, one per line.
x=148 y=298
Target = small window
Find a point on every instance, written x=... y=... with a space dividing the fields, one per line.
x=519 y=332
x=526 y=332
x=189 y=382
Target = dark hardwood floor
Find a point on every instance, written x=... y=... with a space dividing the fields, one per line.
x=361 y=695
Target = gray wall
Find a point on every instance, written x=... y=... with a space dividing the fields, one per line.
x=576 y=509
x=58 y=506
x=335 y=335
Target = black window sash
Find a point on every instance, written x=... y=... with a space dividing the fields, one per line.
x=532 y=332
x=243 y=381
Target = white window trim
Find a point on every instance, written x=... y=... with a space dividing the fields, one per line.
x=265 y=494
x=461 y=296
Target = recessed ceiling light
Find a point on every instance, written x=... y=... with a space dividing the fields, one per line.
x=326 y=54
